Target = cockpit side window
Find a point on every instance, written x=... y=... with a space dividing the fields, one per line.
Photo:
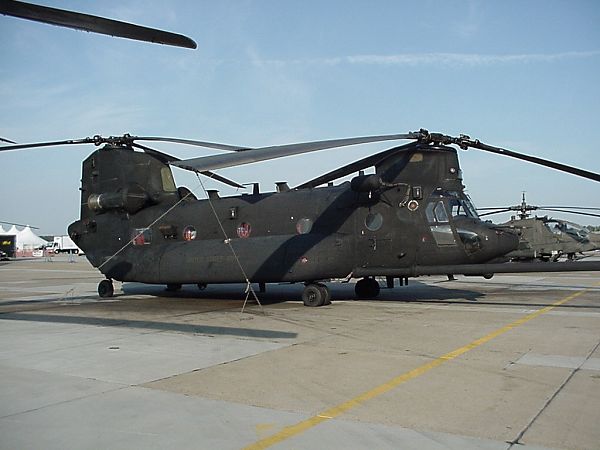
x=436 y=212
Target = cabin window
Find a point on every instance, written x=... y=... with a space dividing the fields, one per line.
x=373 y=221
x=303 y=226
x=168 y=184
x=141 y=236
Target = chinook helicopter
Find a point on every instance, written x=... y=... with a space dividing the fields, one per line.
x=547 y=238
x=410 y=218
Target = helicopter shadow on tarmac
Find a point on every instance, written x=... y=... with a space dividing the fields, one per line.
x=415 y=292
x=281 y=293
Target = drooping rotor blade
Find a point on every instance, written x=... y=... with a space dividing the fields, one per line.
x=465 y=142
x=348 y=169
x=279 y=151
x=95 y=24
x=168 y=159
x=216 y=176
x=7 y=140
x=571 y=212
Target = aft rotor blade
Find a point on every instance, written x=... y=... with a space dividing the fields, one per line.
x=95 y=24
x=543 y=162
x=19 y=225
x=279 y=151
x=47 y=144
x=571 y=212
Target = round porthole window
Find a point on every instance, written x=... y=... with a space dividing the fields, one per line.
x=189 y=233
x=373 y=221
x=303 y=226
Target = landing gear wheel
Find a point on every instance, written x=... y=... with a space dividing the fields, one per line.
x=326 y=293
x=173 y=287
x=105 y=289
x=367 y=288
x=313 y=295
x=201 y=286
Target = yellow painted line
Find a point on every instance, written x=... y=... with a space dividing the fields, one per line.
x=335 y=411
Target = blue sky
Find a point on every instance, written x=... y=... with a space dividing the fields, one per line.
x=518 y=74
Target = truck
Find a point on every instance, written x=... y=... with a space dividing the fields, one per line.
x=64 y=244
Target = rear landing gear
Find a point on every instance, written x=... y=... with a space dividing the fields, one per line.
x=316 y=294
x=367 y=288
x=105 y=289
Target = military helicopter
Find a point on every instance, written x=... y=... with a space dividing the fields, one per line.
x=410 y=218
x=94 y=24
x=547 y=238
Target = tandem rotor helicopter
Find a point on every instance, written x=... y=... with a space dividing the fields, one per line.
x=410 y=218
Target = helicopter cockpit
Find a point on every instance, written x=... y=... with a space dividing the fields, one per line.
x=442 y=212
x=575 y=231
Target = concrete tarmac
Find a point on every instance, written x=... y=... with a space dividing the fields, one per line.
x=511 y=362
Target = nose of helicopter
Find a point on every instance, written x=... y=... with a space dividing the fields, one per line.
x=484 y=241
x=497 y=242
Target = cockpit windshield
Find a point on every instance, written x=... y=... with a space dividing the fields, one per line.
x=459 y=204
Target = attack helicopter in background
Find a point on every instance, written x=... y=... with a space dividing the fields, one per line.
x=547 y=238
x=409 y=218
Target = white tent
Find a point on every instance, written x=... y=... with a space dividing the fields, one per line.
x=2 y=230
x=27 y=239
x=13 y=231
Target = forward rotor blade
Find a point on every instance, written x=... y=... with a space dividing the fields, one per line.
x=279 y=151
x=348 y=169
x=571 y=212
x=7 y=140
x=465 y=142
x=95 y=24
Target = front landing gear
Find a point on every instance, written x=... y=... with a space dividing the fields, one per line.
x=316 y=294
x=106 y=289
x=367 y=288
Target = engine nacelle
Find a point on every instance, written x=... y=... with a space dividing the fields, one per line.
x=366 y=183
x=130 y=199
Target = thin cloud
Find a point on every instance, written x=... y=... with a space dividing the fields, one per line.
x=426 y=59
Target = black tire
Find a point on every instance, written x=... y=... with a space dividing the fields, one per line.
x=313 y=295
x=105 y=289
x=367 y=288
x=326 y=293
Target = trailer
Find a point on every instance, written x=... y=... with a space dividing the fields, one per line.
x=64 y=244
x=8 y=246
